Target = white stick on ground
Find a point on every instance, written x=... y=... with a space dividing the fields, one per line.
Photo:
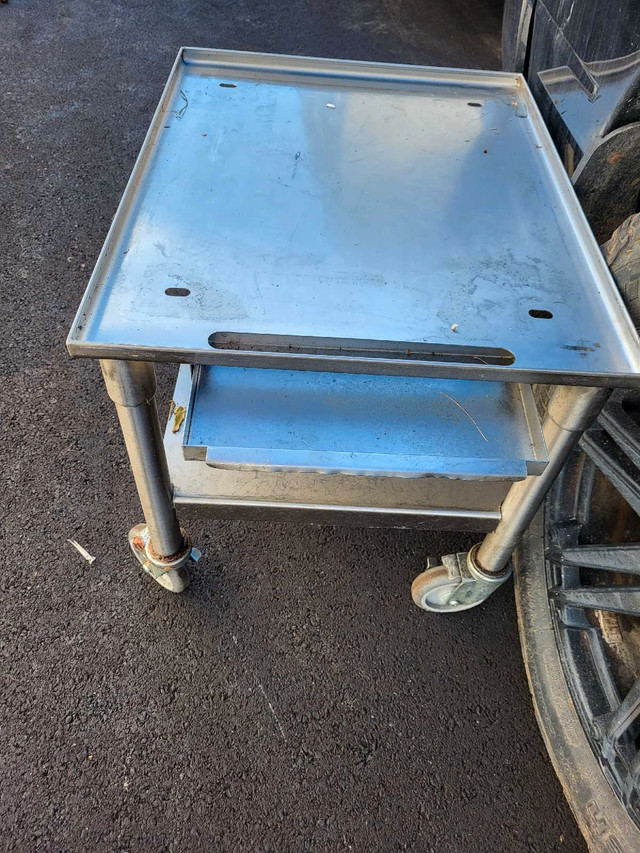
x=82 y=550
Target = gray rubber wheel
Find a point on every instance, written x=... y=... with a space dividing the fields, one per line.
x=435 y=591
x=174 y=580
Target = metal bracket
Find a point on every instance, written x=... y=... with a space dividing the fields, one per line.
x=458 y=583
x=169 y=572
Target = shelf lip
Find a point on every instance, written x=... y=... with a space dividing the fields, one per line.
x=616 y=362
x=365 y=464
x=348 y=69
x=332 y=364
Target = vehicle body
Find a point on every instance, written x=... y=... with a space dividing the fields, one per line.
x=576 y=566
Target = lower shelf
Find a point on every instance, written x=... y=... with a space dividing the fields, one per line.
x=384 y=426
x=384 y=501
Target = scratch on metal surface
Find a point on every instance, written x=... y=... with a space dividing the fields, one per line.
x=471 y=418
x=296 y=160
x=183 y=108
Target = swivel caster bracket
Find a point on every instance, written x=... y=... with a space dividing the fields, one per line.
x=458 y=583
x=169 y=572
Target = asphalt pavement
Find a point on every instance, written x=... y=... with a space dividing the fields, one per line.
x=293 y=699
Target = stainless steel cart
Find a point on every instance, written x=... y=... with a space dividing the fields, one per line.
x=362 y=269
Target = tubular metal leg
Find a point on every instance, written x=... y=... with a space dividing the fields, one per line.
x=466 y=580
x=570 y=411
x=161 y=546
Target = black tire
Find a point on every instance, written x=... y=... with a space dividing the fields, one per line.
x=603 y=820
x=622 y=253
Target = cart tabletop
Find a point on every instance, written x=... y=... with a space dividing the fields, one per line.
x=356 y=217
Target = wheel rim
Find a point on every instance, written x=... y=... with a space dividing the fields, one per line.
x=592 y=530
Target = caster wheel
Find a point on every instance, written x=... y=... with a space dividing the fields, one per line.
x=434 y=590
x=174 y=580
x=457 y=584
x=172 y=576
